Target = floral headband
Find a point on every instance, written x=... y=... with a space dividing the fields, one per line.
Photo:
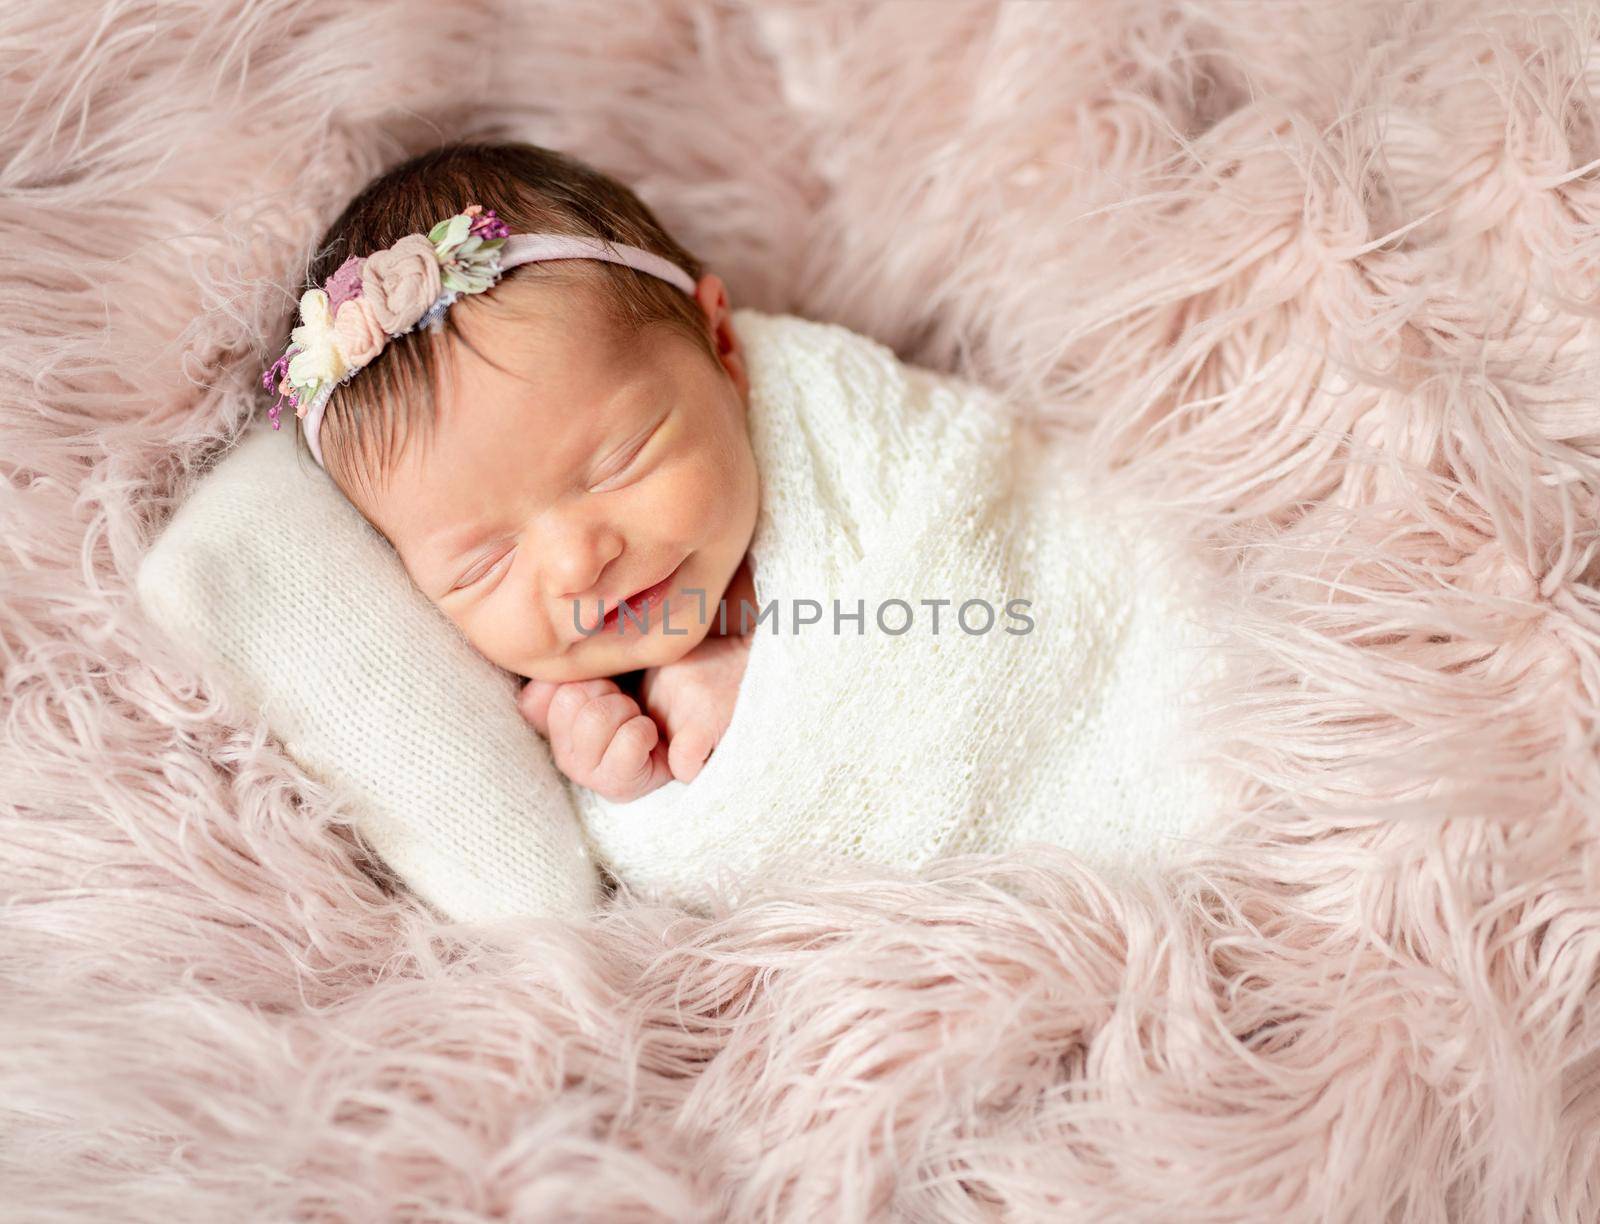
x=372 y=299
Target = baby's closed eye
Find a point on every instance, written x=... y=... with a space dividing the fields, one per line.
x=479 y=572
x=626 y=461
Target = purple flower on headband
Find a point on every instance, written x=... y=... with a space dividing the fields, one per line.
x=275 y=378
x=273 y=374
x=486 y=225
x=344 y=284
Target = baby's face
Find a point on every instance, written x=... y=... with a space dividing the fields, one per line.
x=584 y=476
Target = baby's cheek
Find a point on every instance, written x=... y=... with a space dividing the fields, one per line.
x=678 y=508
x=733 y=481
x=510 y=642
x=733 y=492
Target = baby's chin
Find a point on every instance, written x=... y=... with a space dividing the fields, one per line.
x=616 y=654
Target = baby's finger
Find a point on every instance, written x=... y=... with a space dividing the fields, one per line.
x=688 y=752
x=534 y=703
x=635 y=763
x=564 y=706
x=595 y=726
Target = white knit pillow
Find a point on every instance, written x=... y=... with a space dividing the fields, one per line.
x=270 y=581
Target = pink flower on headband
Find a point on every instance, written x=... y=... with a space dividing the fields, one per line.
x=344 y=284
x=358 y=333
x=399 y=284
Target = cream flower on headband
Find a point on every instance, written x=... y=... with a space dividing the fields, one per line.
x=319 y=359
x=345 y=324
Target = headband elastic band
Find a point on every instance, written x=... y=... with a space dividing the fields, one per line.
x=531 y=248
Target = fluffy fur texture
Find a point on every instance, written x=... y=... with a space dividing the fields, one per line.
x=1320 y=280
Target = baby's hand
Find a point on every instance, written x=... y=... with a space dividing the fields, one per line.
x=598 y=736
x=694 y=699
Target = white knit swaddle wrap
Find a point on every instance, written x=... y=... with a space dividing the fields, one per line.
x=881 y=481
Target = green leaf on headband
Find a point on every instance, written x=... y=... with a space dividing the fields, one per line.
x=453 y=234
x=464 y=280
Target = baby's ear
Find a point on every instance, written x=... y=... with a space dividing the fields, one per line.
x=712 y=295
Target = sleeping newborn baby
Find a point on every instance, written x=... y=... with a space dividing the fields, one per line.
x=602 y=469
x=579 y=493
x=855 y=603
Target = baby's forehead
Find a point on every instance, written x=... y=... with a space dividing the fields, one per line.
x=557 y=370
x=561 y=311
x=525 y=427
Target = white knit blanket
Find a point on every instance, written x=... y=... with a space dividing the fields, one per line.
x=884 y=482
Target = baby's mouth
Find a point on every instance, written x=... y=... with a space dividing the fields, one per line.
x=642 y=604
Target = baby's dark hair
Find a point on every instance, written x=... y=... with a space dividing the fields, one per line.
x=532 y=189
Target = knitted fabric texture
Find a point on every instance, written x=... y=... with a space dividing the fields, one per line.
x=862 y=739
x=283 y=595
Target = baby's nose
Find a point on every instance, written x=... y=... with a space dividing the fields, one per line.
x=579 y=558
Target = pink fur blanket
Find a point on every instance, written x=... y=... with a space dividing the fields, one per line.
x=1322 y=278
